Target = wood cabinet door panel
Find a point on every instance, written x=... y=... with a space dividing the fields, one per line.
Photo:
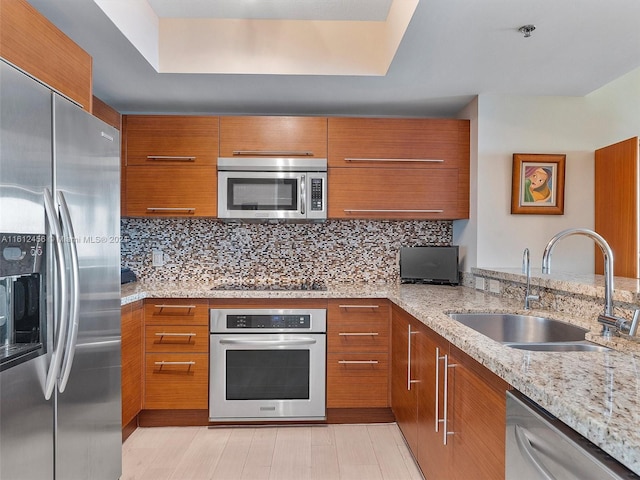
x=178 y=339
x=154 y=140
x=176 y=381
x=478 y=413
x=269 y=136
x=168 y=311
x=392 y=193
x=132 y=321
x=171 y=191
x=404 y=400
x=357 y=380
x=354 y=142
x=434 y=457
x=30 y=41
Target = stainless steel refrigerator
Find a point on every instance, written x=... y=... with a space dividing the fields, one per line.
x=59 y=287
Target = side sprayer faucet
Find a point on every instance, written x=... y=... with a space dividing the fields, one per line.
x=611 y=323
x=526 y=269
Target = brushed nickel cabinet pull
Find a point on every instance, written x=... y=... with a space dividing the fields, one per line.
x=188 y=307
x=163 y=363
x=419 y=160
x=358 y=306
x=409 y=380
x=358 y=334
x=352 y=210
x=274 y=153
x=170 y=210
x=358 y=362
x=168 y=334
x=168 y=158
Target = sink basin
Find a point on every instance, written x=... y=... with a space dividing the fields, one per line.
x=561 y=347
x=511 y=328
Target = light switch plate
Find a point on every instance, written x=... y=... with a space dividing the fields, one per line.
x=494 y=286
x=479 y=283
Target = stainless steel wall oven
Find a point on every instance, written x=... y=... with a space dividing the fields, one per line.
x=267 y=364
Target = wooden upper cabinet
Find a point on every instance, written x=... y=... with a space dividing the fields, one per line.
x=169 y=165
x=170 y=140
x=395 y=193
x=34 y=44
x=402 y=143
x=250 y=136
x=106 y=113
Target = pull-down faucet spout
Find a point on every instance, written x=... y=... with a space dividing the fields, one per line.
x=606 y=252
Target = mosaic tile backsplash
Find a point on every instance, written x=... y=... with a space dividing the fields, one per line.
x=351 y=251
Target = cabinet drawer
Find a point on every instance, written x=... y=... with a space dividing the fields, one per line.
x=171 y=191
x=170 y=140
x=178 y=339
x=358 y=326
x=252 y=136
x=396 y=193
x=176 y=381
x=357 y=380
x=404 y=143
x=165 y=311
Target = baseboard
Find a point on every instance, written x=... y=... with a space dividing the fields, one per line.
x=190 y=418
x=129 y=428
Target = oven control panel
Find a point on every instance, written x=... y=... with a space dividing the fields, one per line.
x=268 y=321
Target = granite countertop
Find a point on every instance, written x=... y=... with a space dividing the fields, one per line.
x=595 y=393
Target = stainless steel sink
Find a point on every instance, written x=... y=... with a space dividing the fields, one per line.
x=528 y=332
x=584 y=346
x=510 y=328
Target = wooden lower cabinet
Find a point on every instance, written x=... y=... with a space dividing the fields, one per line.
x=176 y=354
x=358 y=353
x=469 y=442
x=404 y=391
x=132 y=329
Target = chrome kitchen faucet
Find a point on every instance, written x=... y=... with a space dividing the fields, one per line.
x=611 y=323
x=526 y=269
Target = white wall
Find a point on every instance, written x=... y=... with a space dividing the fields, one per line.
x=575 y=126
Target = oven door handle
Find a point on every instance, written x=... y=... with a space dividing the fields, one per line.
x=258 y=343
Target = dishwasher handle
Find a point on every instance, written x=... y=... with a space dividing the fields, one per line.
x=528 y=451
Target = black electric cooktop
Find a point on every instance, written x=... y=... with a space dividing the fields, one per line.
x=306 y=286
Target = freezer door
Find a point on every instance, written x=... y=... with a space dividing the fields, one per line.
x=26 y=418
x=87 y=180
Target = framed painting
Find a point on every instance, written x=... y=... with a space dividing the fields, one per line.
x=537 y=184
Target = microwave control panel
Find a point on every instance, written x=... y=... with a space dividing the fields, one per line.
x=317 y=194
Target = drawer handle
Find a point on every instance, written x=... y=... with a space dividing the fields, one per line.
x=171 y=210
x=392 y=211
x=163 y=363
x=358 y=334
x=161 y=307
x=419 y=160
x=358 y=362
x=167 y=334
x=271 y=153
x=358 y=306
x=167 y=158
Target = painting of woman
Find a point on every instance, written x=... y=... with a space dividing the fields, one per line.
x=538 y=184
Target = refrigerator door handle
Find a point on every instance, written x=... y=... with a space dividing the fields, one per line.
x=60 y=335
x=74 y=313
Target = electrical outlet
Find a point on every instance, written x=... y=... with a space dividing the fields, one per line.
x=157 y=258
x=494 y=286
x=479 y=283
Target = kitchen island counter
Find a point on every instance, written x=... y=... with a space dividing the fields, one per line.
x=595 y=393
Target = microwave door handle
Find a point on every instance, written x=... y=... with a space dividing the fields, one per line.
x=303 y=194
x=63 y=304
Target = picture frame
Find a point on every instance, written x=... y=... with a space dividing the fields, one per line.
x=537 y=184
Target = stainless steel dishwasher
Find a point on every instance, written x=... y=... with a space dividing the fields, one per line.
x=541 y=447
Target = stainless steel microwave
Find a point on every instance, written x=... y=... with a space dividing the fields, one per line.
x=272 y=189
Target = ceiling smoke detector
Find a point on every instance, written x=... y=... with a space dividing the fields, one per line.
x=526 y=30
